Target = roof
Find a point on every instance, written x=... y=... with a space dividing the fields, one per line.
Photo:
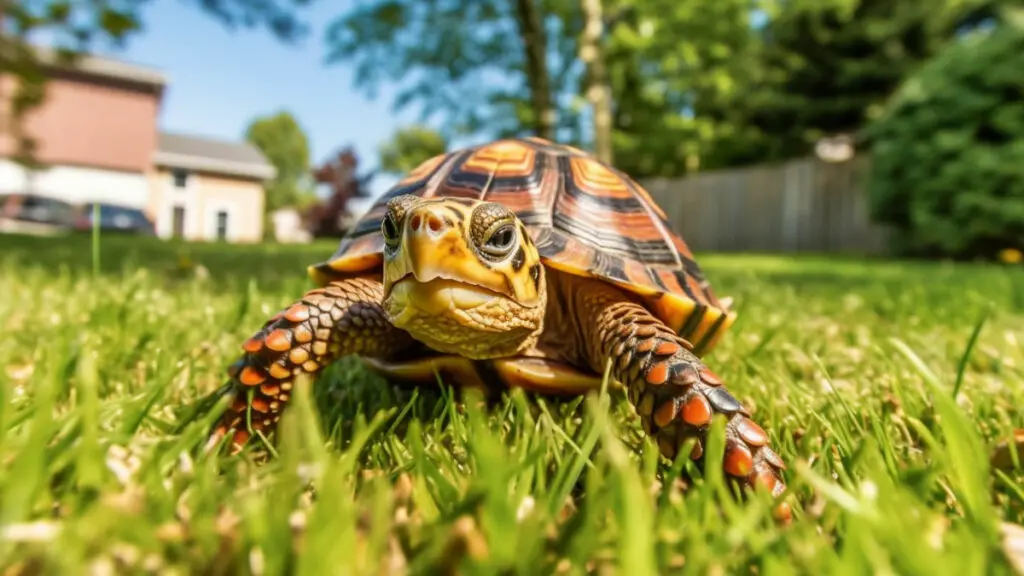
x=195 y=152
x=104 y=67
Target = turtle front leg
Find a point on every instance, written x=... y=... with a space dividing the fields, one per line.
x=345 y=317
x=675 y=394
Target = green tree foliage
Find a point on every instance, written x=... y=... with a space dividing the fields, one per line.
x=470 y=63
x=827 y=66
x=483 y=65
x=77 y=26
x=706 y=85
x=948 y=154
x=409 y=147
x=694 y=84
x=669 y=61
x=283 y=141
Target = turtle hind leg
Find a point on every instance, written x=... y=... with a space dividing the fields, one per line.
x=342 y=318
x=674 y=393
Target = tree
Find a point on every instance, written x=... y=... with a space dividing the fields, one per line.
x=704 y=85
x=75 y=26
x=478 y=67
x=827 y=66
x=598 y=92
x=533 y=36
x=484 y=66
x=669 y=63
x=341 y=176
x=947 y=152
x=283 y=141
x=409 y=147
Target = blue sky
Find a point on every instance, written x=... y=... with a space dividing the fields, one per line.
x=219 y=79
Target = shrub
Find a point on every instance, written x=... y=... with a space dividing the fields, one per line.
x=948 y=152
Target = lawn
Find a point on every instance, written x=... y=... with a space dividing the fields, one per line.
x=867 y=376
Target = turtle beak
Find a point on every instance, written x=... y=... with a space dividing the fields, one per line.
x=434 y=247
x=431 y=248
x=432 y=244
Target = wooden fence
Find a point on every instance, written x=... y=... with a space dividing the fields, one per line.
x=803 y=205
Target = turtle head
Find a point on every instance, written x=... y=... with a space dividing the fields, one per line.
x=462 y=276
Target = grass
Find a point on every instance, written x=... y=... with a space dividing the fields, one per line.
x=873 y=379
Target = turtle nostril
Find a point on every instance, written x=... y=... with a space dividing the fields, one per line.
x=427 y=221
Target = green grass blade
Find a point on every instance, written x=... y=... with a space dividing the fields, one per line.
x=961 y=368
x=963 y=451
x=96 y=239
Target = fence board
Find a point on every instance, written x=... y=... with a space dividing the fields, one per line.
x=803 y=205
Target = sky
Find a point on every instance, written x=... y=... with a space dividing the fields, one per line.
x=219 y=79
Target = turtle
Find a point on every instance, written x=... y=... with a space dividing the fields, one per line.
x=522 y=262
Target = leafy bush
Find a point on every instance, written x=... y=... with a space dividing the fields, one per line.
x=948 y=153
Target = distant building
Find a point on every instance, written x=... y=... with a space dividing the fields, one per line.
x=289 y=227
x=97 y=137
x=207 y=189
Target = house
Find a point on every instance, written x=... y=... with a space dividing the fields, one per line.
x=98 y=141
x=201 y=188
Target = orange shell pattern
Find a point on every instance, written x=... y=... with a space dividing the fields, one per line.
x=586 y=217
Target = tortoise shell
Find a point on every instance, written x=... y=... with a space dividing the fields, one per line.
x=586 y=218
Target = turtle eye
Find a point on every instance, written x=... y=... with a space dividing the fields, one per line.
x=501 y=241
x=389 y=229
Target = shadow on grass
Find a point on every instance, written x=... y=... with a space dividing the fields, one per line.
x=347 y=391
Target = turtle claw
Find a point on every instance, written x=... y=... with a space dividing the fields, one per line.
x=674 y=393
x=677 y=397
x=683 y=408
x=214 y=440
x=344 y=317
x=748 y=460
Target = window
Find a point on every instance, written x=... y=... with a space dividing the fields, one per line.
x=178 y=222
x=222 y=225
x=180 y=177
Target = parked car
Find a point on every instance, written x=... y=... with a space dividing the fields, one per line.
x=115 y=218
x=35 y=214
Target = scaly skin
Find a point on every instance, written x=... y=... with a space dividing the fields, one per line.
x=345 y=317
x=674 y=393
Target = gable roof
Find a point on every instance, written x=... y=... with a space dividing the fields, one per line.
x=193 y=152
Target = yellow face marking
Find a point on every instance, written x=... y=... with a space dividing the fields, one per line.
x=462 y=276
x=437 y=242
